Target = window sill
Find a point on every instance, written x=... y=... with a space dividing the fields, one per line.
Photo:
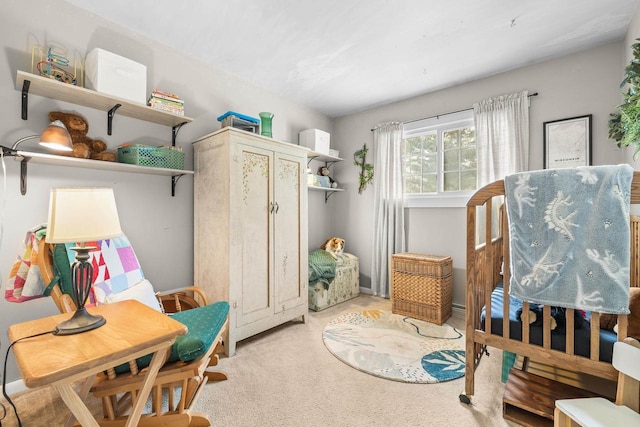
x=458 y=200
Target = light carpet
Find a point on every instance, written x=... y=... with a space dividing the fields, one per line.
x=396 y=347
x=285 y=377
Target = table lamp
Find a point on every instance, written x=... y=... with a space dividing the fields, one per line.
x=79 y=215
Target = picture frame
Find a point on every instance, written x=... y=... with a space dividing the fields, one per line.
x=567 y=142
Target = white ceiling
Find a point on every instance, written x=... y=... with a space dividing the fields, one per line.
x=344 y=56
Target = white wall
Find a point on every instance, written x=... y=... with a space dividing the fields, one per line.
x=159 y=226
x=583 y=83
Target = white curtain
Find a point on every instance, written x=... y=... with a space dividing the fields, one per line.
x=388 y=203
x=502 y=136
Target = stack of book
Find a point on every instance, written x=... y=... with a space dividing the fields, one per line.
x=168 y=102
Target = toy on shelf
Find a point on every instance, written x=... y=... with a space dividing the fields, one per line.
x=323 y=172
x=84 y=147
x=54 y=65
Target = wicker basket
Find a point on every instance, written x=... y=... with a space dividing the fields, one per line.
x=422 y=286
x=155 y=157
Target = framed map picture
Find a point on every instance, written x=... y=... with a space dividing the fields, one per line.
x=567 y=143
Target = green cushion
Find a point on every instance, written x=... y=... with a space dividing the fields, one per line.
x=203 y=325
x=62 y=269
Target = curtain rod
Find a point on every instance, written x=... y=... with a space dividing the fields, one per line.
x=452 y=112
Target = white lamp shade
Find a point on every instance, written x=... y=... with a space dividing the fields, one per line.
x=82 y=215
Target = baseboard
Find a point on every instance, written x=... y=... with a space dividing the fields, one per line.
x=15 y=387
x=457 y=311
x=367 y=291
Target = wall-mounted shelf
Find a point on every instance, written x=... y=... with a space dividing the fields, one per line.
x=328 y=191
x=43 y=86
x=50 y=159
x=50 y=88
x=328 y=161
x=312 y=155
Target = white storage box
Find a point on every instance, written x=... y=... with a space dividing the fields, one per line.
x=315 y=139
x=115 y=75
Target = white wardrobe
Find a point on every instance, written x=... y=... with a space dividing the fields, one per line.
x=250 y=225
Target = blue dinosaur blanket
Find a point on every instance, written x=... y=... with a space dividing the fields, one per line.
x=569 y=237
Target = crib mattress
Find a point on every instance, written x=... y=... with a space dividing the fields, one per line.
x=558 y=339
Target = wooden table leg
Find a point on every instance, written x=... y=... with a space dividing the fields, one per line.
x=76 y=405
x=157 y=361
x=83 y=393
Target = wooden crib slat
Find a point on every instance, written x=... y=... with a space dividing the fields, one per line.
x=595 y=336
x=506 y=269
x=546 y=327
x=488 y=264
x=570 y=327
x=623 y=324
x=525 y=321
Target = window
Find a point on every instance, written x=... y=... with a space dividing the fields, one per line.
x=440 y=160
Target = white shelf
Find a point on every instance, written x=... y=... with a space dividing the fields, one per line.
x=327 y=191
x=323 y=157
x=50 y=88
x=29 y=83
x=51 y=159
x=314 y=187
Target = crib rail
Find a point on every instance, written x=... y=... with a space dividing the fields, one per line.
x=488 y=265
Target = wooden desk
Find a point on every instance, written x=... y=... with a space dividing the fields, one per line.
x=132 y=330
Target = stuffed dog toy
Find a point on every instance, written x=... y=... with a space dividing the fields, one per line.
x=335 y=247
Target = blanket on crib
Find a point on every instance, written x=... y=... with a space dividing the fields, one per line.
x=569 y=237
x=25 y=281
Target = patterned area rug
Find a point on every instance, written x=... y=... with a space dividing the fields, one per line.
x=396 y=347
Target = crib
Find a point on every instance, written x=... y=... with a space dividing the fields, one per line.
x=489 y=309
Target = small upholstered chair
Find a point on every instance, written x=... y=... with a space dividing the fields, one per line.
x=186 y=370
x=597 y=411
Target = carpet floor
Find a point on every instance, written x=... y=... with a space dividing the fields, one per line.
x=286 y=377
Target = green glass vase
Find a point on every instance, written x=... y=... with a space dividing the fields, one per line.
x=265 y=124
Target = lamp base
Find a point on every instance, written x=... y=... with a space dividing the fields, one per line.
x=81 y=321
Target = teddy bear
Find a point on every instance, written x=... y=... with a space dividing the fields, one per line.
x=324 y=171
x=609 y=321
x=83 y=146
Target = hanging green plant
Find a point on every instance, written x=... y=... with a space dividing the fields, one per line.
x=624 y=126
x=366 y=169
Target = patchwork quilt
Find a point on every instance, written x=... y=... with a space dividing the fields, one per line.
x=115 y=266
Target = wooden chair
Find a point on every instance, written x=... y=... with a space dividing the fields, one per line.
x=597 y=411
x=179 y=382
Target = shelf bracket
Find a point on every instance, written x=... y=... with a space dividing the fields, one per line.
x=23 y=175
x=174 y=181
x=327 y=195
x=174 y=133
x=25 y=98
x=110 y=115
